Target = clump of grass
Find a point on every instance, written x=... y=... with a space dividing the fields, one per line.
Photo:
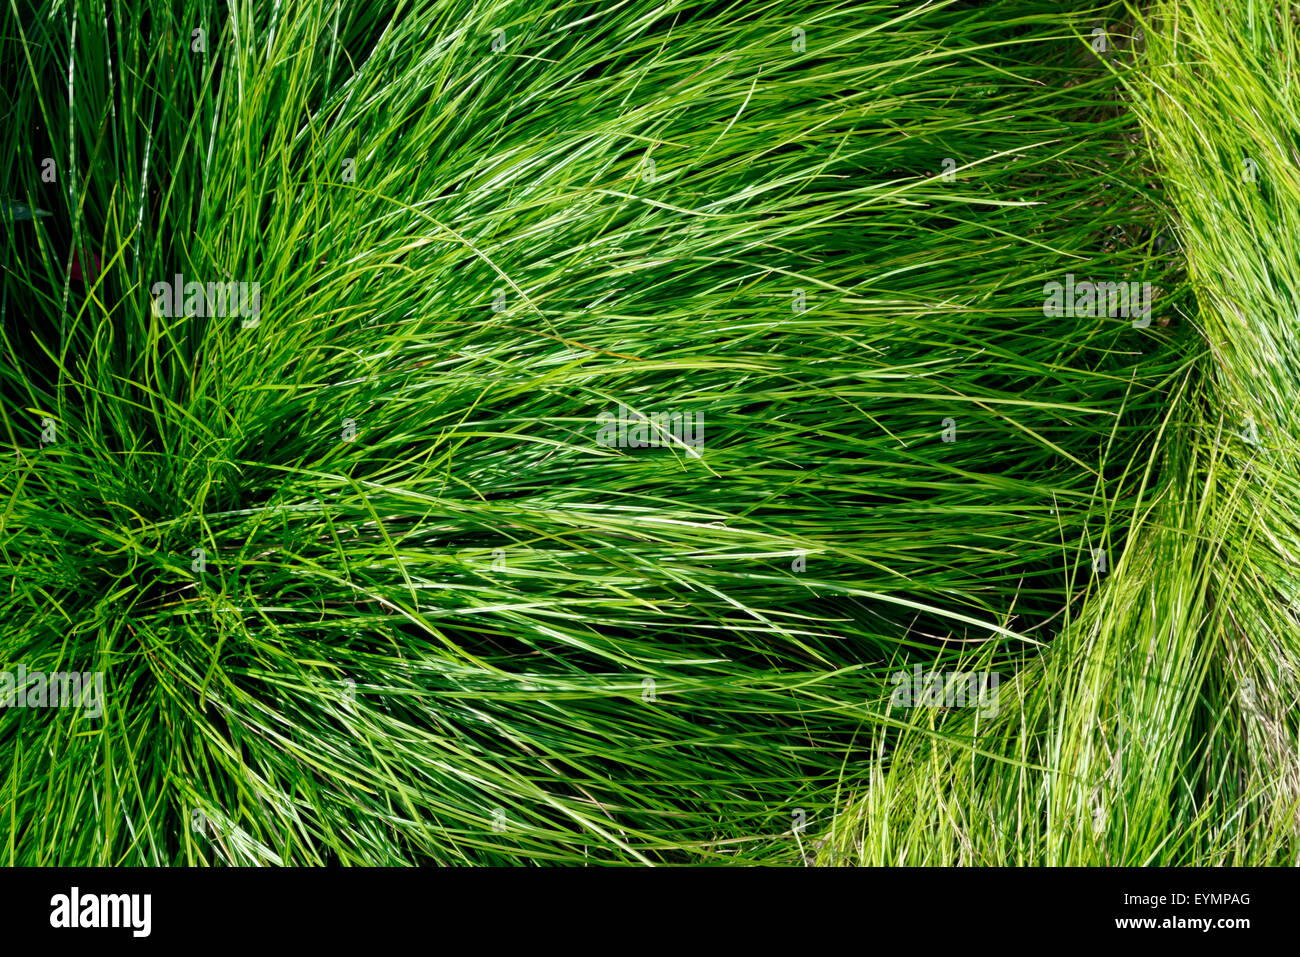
x=365 y=583
x=1160 y=728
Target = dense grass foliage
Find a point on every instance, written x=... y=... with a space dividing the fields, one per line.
x=1165 y=718
x=371 y=577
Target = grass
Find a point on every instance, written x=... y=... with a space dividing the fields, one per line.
x=366 y=585
x=1166 y=714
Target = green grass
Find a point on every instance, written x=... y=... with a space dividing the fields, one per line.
x=1167 y=713
x=434 y=619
